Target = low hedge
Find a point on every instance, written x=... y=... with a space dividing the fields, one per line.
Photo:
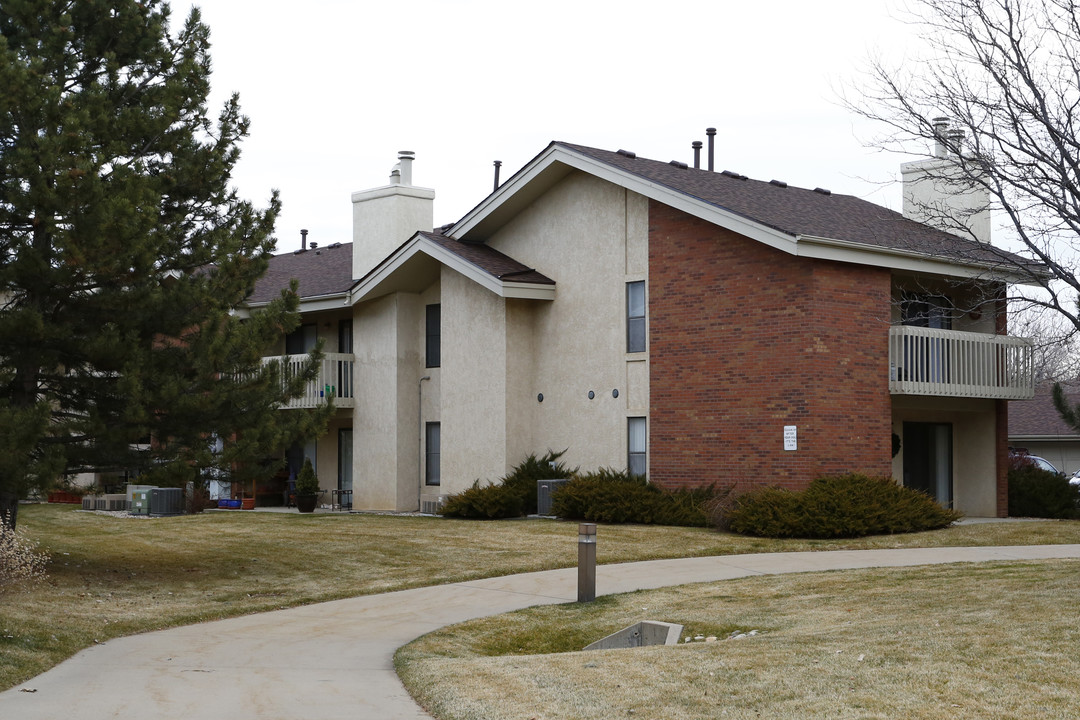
x=837 y=506
x=1034 y=492
x=614 y=496
x=513 y=496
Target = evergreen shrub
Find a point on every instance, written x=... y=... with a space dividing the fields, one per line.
x=615 y=496
x=1034 y=492
x=852 y=505
x=513 y=496
x=307 y=483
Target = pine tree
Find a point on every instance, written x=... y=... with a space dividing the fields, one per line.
x=124 y=253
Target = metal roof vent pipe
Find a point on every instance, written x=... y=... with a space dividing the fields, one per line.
x=498 y=164
x=405 y=158
x=941 y=126
x=711 y=132
x=697 y=154
x=956 y=139
x=303 y=239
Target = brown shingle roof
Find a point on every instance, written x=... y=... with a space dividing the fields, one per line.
x=491 y=261
x=798 y=211
x=1038 y=416
x=322 y=271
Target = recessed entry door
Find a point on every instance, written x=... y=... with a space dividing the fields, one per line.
x=928 y=459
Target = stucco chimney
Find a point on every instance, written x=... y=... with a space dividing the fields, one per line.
x=385 y=217
x=937 y=193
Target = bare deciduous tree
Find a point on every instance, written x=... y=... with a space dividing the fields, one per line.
x=998 y=100
x=998 y=96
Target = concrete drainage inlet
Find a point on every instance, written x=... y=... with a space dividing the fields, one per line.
x=646 y=632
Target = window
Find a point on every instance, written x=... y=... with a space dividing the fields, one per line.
x=433 y=346
x=301 y=340
x=431 y=453
x=635 y=446
x=928 y=311
x=635 y=316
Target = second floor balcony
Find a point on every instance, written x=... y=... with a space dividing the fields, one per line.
x=335 y=378
x=950 y=363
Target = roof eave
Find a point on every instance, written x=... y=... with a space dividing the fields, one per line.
x=539 y=170
x=312 y=303
x=420 y=244
x=908 y=260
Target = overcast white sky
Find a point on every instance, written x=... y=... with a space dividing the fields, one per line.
x=334 y=88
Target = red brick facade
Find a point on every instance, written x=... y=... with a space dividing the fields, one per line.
x=745 y=339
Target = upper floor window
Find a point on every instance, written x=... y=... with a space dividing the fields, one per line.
x=926 y=310
x=301 y=340
x=635 y=316
x=433 y=344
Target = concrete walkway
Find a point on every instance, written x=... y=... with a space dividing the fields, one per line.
x=335 y=660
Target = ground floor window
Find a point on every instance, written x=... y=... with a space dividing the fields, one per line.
x=636 y=446
x=431 y=454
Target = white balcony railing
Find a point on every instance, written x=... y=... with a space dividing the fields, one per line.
x=924 y=361
x=335 y=376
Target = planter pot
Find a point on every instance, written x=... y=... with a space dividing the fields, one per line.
x=306 y=503
x=248 y=503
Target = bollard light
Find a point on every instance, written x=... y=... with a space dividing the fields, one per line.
x=586 y=558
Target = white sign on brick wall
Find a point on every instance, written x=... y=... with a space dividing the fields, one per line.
x=791 y=437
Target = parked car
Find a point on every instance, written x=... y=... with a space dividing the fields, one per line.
x=1020 y=458
x=1075 y=479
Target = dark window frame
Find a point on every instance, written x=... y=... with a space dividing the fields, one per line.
x=298 y=339
x=433 y=335
x=432 y=451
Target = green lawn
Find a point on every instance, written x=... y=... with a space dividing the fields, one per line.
x=113 y=576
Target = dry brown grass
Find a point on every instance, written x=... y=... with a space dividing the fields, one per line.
x=112 y=576
x=962 y=641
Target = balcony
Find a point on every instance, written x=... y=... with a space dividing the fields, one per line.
x=949 y=363
x=335 y=376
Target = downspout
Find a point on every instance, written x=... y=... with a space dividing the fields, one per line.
x=420 y=443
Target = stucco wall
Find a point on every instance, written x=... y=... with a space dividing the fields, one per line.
x=385 y=443
x=975 y=305
x=974 y=446
x=473 y=406
x=585 y=234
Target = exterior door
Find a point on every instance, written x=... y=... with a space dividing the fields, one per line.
x=345 y=457
x=928 y=460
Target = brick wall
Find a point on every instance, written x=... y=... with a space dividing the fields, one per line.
x=745 y=339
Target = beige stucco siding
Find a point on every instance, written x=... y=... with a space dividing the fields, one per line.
x=586 y=234
x=385 y=443
x=473 y=407
x=974 y=452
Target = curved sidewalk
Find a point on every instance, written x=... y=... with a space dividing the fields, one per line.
x=335 y=660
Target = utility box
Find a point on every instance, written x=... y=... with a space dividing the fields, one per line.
x=140 y=504
x=545 y=489
x=89 y=502
x=132 y=489
x=166 y=501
